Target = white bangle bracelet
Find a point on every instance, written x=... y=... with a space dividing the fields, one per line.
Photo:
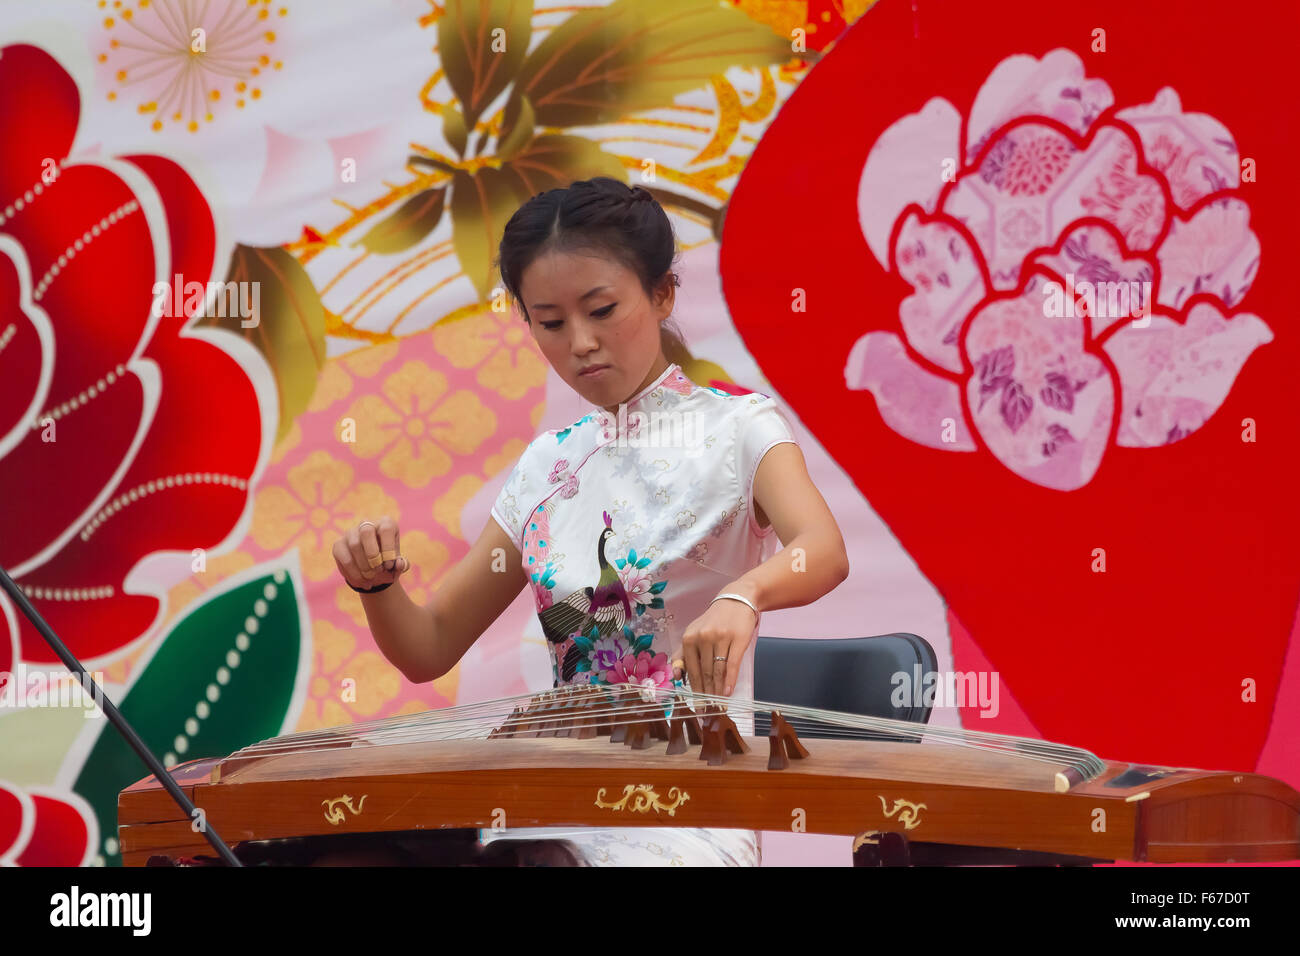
x=737 y=597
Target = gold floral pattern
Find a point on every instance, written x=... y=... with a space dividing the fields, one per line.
x=500 y=345
x=415 y=424
x=317 y=503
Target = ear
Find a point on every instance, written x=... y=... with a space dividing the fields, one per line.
x=666 y=296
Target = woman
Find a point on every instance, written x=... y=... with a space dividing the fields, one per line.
x=645 y=529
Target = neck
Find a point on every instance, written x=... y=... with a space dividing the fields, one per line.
x=658 y=368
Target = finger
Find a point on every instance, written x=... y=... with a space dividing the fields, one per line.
x=369 y=533
x=388 y=543
x=359 y=556
x=346 y=565
x=727 y=672
x=721 y=650
x=691 y=654
x=706 y=666
x=735 y=654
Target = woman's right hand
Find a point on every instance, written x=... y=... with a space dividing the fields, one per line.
x=370 y=554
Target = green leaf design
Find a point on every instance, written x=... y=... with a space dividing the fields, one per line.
x=605 y=62
x=483 y=202
x=476 y=70
x=518 y=126
x=230 y=673
x=290 y=324
x=414 y=219
x=453 y=127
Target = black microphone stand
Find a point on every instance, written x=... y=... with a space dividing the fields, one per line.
x=125 y=729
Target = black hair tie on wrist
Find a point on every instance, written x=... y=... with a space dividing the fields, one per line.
x=371 y=590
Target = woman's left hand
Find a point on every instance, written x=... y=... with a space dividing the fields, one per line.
x=724 y=630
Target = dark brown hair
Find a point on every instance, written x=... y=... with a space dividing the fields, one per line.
x=600 y=214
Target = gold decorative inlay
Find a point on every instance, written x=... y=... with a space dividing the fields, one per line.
x=644 y=799
x=335 y=815
x=909 y=814
x=871 y=836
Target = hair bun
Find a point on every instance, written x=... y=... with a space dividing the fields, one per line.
x=640 y=194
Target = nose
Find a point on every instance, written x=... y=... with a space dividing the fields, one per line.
x=583 y=338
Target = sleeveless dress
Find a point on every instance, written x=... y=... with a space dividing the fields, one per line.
x=628 y=526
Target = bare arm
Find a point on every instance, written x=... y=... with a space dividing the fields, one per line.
x=812 y=562
x=813 y=559
x=425 y=642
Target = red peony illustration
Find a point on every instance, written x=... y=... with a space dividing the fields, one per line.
x=39 y=827
x=122 y=433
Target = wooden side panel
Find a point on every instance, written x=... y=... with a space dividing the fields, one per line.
x=703 y=797
x=1249 y=827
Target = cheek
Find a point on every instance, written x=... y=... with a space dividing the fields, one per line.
x=631 y=326
x=551 y=343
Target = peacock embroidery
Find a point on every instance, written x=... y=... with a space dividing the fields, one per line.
x=591 y=630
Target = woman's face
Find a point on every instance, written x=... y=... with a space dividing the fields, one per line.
x=585 y=310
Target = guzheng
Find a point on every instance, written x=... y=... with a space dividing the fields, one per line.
x=619 y=756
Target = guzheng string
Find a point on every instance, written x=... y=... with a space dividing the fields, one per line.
x=613 y=705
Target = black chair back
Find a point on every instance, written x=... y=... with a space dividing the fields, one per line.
x=854 y=675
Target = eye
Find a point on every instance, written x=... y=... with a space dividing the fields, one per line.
x=599 y=313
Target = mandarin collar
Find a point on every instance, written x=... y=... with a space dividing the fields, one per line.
x=673 y=382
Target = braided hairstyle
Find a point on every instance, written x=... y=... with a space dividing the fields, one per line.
x=600 y=214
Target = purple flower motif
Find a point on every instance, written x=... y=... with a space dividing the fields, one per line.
x=994 y=369
x=1058 y=434
x=994 y=165
x=1016 y=405
x=606 y=653
x=1058 y=392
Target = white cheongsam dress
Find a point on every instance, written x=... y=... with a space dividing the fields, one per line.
x=671 y=476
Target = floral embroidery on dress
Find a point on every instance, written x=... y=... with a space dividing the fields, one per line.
x=625 y=658
x=671 y=514
x=560 y=473
x=638 y=585
x=564 y=432
x=594 y=619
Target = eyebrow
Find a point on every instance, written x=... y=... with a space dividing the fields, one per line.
x=585 y=295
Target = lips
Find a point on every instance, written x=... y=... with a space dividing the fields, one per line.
x=593 y=369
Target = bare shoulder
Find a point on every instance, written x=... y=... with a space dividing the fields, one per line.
x=786 y=497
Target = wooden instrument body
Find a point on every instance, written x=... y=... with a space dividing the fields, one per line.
x=935 y=793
